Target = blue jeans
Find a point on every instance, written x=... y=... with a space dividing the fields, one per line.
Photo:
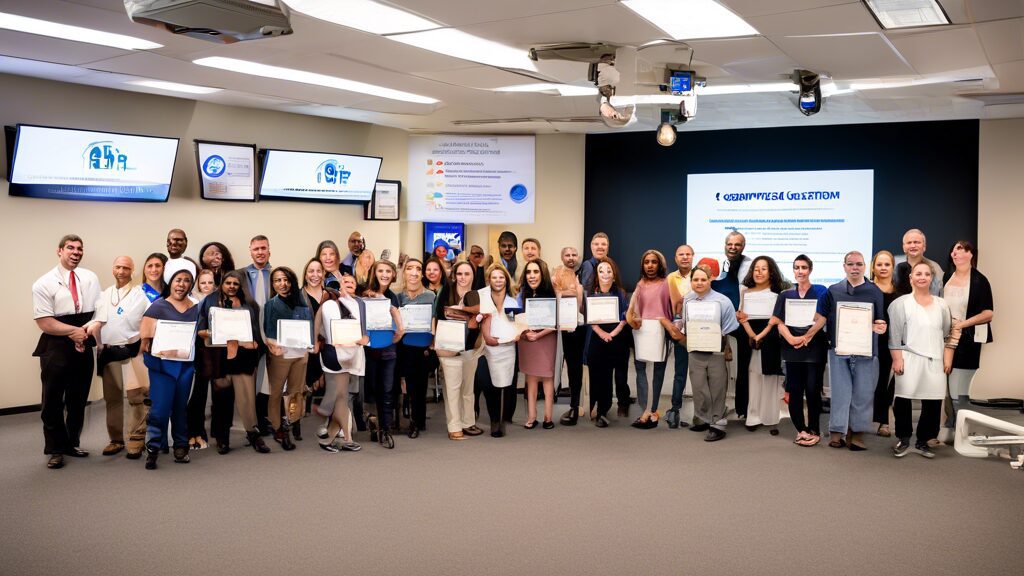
x=641 y=383
x=852 y=381
x=682 y=364
x=169 y=397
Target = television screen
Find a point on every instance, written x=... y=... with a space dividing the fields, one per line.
x=69 y=164
x=226 y=171
x=291 y=175
x=446 y=234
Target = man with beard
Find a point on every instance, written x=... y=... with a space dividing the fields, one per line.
x=734 y=269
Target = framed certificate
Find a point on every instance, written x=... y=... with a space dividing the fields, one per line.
x=417 y=318
x=541 y=313
x=800 y=313
x=296 y=334
x=378 y=314
x=177 y=336
x=854 y=323
x=603 y=310
x=759 y=305
x=450 y=336
x=230 y=324
x=345 y=331
x=385 y=201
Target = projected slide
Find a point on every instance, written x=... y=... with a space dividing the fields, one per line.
x=823 y=214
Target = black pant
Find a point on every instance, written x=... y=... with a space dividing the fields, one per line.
x=414 y=364
x=885 y=388
x=927 y=424
x=497 y=400
x=743 y=353
x=222 y=412
x=572 y=350
x=262 y=414
x=197 y=408
x=380 y=377
x=805 y=378
x=605 y=360
x=482 y=382
x=66 y=376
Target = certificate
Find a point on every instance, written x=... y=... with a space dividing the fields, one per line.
x=295 y=334
x=981 y=334
x=703 y=326
x=568 y=314
x=230 y=324
x=541 y=313
x=759 y=305
x=378 y=314
x=703 y=311
x=177 y=336
x=603 y=310
x=649 y=341
x=345 y=331
x=854 y=321
x=417 y=318
x=503 y=330
x=800 y=313
x=451 y=336
x=486 y=302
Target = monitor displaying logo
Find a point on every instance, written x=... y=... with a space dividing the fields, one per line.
x=333 y=173
x=214 y=166
x=105 y=156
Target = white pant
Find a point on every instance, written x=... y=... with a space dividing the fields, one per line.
x=459 y=372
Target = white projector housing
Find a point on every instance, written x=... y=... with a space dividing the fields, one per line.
x=221 y=21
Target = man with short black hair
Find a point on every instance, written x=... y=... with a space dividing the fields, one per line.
x=356 y=245
x=177 y=243
x=508 y=245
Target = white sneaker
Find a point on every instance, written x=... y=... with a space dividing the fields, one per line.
x=321 y=432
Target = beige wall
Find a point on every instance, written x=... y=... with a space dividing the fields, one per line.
x=30 y=228
x=1000 y=208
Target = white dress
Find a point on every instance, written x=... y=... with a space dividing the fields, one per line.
x=764 y=405
x=501 y=359
x=920 y=332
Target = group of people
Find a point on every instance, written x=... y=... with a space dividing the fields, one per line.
x=922 y=346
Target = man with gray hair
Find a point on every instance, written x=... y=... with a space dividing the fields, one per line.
x=914 y=245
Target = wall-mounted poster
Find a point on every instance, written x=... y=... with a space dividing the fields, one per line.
x=226 y=171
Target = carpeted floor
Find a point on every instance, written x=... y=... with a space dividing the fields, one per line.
x=564 y=501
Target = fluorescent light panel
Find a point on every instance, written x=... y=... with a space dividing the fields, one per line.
x=691 y=19
x=466 y=46
x=365 y=15
x=292 y=75
x=73 y=33
x=907 y=13
x=174 y=87
x=562 y=89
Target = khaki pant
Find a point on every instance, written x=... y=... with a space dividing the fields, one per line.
x=279 y=371
x=134 y=380
x=459 y=372
x=245 y=396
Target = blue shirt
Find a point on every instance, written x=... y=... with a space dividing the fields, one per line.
x=277 y=309
x=866 y=292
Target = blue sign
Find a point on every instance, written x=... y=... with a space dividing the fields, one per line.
x=518 y=193
x=215 y=166
x=332 y=172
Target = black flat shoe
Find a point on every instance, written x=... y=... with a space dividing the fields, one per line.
x=151 y=456
x=714 y=435
x=76 y=452
x=702 y=427
x=223 y=448
x=601 y=422
x=548 y=425
x=181 y=455
x=55 y=462
x=570 y=417
x=752 y=428
x=414 y=432
x=530 y=425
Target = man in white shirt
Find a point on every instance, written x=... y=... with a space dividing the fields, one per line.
x=120 y=307
x=63 y=302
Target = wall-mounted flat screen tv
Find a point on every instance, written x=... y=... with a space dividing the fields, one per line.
x=318 y=176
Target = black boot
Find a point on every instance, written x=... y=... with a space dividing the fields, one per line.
x=256 y=441
x=282 y=436
x=151 y=456
x=297 y=430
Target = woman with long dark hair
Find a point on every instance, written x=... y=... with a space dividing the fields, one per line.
x=285 y=366
x=462 y=303
x=327 y=255
x=765 y=369
x=537 y=348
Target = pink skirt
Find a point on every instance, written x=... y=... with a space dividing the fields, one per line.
x=538 y=358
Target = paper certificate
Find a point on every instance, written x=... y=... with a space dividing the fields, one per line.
x=981 y=334
x=451 y=336
x=568 y=314
x=378 y=314
x=703 y=311
x=759 y=305
x=603 y=310
x=854 y=321
x=486 y=302
x=502 y=329
x=541 y=313
x=703 y=326
x=295 y=334
x=345 y=331
x=230 y=324
x=649 y=340
x=177 y=336
x=800 y=313
x=417 y=318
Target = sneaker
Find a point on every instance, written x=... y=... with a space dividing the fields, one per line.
x=329 y=447
x=351 y=446
x=901 y=449
x=925 y=450
x=321 y=432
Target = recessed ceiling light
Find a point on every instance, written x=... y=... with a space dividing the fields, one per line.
x=719 y=89
x=364 y=15
x=468 y=47
x=562 y=89
x=280 y=73
x=74 y=33
x=175 y=87
x=691 y=19
x=907 y=13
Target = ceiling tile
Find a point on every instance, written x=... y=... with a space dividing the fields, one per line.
x=841 y=19
x=464 y=12
x=941 y=50
x=613 y=23
x=846 y=57
x=1003 y=41
x=748 y=8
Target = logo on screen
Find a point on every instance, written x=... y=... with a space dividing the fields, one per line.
x=105 y=156
x=518 y=193
x=332 y=172
x=214 y=166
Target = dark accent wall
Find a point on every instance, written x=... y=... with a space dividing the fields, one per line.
x=926 y=176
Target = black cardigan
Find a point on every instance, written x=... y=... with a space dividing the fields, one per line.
x=968 y=353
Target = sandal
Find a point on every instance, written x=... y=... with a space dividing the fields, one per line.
x=801 y=437
x=840 y=443
x=883 y=430
x=811 y=440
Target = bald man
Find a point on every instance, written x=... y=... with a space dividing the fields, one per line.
x=120 y=307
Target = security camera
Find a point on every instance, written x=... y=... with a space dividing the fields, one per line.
x=809 y=98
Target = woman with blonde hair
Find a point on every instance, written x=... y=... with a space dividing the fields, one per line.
x=883 y=264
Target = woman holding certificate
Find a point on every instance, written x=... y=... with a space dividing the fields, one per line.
x=650 y=316
x=708 y=316
x=804 y=350
x=168 y=332
x=456 y=316
x=922 y=342
x=288 y=326
x=969 y=296
x=417 y=310
x=384 y=325
x=607 y=348
x=500 y=337
x=341 y=323
x=537 y=345
x=231 y=360
x=759 y=293
x=882 y=266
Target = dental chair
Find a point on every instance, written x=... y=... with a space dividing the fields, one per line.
x=980 y=436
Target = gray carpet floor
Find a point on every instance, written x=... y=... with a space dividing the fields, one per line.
x=565 y=501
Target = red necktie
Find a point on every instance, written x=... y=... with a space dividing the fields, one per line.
x=74 y=292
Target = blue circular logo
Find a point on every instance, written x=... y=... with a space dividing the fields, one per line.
x=518 y=193
x=214 y=166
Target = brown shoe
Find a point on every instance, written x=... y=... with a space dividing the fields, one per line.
x=113 y=448
x=473 y=430
x=456 y=436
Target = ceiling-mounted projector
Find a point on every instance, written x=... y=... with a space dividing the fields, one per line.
x=222 y=21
